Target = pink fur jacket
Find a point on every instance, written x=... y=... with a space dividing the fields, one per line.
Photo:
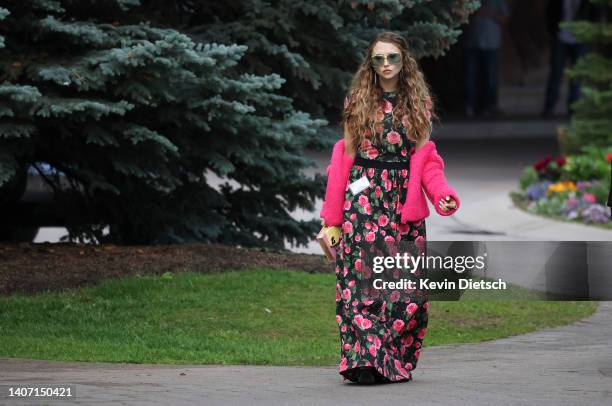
x=426 y=170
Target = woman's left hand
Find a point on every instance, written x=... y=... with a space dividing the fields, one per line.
x=447 y=203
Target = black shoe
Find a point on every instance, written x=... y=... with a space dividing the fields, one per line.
x=382 y=379
x=366 y=376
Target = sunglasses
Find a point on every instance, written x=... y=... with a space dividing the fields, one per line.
x=393 y=58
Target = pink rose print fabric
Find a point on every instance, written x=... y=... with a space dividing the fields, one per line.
x=386 y=333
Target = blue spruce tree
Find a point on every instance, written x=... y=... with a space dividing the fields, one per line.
x=134 y=117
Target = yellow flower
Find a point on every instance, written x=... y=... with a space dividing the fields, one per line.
x=561 y=187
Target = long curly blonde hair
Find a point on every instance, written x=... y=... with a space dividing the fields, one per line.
x=362 y=115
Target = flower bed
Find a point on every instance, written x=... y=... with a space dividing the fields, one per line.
x=573 y=187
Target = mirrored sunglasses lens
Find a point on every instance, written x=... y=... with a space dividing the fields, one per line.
x=378 y=60
x=394 y=58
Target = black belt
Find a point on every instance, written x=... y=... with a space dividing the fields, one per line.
x=374 y=163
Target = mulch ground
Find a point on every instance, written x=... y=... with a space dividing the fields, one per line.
x=33 y=268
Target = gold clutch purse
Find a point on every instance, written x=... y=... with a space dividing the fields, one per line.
x=328 y=238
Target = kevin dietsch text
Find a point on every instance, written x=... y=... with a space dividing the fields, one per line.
x=462 y=283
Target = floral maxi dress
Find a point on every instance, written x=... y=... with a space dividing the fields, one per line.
x=386 y=334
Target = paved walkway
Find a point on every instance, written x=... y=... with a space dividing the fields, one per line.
x=569 y=365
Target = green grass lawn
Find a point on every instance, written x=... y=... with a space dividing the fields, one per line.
x=259 y=316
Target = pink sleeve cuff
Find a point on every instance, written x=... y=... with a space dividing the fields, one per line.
x=435 y=184
x=337 y=178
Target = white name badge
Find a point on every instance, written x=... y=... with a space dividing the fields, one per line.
x=359 y=185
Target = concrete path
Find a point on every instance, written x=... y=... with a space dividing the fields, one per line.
x=570 y=365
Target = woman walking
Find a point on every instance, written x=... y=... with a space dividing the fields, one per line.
x=376 y=178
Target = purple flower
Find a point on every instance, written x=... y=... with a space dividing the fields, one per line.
x=572 y=214
x=583 y=184
x=574 y=207
x=596 y=213
x=537 y=190
x=572 y=203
